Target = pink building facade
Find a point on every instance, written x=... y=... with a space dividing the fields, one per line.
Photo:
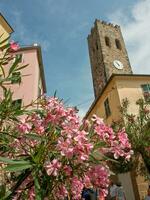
x=32 y=84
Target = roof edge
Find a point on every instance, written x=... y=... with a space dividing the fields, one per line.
x=110 y=79
x=10 y=29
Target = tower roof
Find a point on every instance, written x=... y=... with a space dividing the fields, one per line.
x=106 y=23
x=5 y=24
x=102 y=22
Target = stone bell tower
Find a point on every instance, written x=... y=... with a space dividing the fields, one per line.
x=108 y=54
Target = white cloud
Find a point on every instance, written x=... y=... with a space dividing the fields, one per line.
x=78 y=30
x=136 y=31
x=26 y=36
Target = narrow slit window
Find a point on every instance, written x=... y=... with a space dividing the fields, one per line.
x=118 y=44
x=107 y=41
x=107 y=108
x=146 y=91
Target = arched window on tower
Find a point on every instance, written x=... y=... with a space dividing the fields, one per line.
x=118 y=44
x=107 y=41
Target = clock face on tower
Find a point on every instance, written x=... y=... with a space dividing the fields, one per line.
x=118 y=64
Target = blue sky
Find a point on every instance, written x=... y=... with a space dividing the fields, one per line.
x=61 y=28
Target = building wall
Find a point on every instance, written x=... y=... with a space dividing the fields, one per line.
x=96 y=59
x=131 y=89
x=127 y=88
x=119 y=88
x=112 y=94
x=3 y=32
x=27 y=90
x=126 y=181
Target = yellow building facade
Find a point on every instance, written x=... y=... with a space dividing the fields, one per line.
x=5 y=28
x=107 y=106
x=118 y=88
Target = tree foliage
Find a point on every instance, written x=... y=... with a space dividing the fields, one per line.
x=138 y=129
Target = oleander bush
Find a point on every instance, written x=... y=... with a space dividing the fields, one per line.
x=49 y=153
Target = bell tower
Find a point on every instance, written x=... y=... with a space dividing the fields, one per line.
x=108 y=54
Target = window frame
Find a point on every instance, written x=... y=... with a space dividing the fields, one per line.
x=107 y=41
x=146 y=91
x=107 y=108
x=118 y=44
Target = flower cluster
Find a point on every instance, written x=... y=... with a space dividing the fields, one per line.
x=99 y=177
x=53 y=167
x=117 y=143
x=76 y=187
x=63 y=150
x=14 y=46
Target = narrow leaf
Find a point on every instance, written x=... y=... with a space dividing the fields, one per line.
x=37 y=189
x=9 y=161
x=2 y=191
x=14 y=65
x=17 y=167
x=19 y=68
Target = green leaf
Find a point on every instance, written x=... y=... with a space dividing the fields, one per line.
x=17 y=167
x=14 y=65
x=20 y=180
x=2 y=69
x=22 y=67
x=6 y=196
x=9 y=161
x=2 y=191
x=39 y=153
x=37 y=188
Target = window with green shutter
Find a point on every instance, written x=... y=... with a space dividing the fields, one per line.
x=146 y=91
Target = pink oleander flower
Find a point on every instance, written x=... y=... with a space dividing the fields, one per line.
x=31 y=194
x=61 y=192
x=67 y=170
x=97 y=120
x=24 y=127
x=71 y=144
x=99 y=176
x=14 y=46
x=65 y=147
x=87 y=181
x=76 y=188
x=18 y=192
x=53 y=167
x=123 y=138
